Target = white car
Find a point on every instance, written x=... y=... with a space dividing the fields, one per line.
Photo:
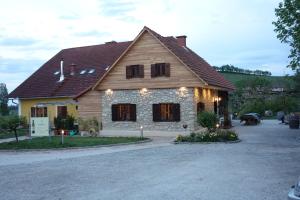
x=294 y=193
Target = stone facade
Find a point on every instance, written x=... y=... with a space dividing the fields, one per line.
x=144 y=100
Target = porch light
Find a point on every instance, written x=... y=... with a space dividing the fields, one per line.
x=108 y=92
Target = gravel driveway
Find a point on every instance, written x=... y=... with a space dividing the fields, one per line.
x=263 y=166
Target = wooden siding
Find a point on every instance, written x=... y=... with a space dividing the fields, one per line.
x=89 y=105
x=146 y=51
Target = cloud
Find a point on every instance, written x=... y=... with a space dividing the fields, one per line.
x=11 y=41
x=92 y=33
x=116 y=8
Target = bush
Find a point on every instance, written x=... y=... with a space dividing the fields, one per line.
x=67 y=123
x=206 y=136
x=207 y=120
x=12 y=123
x=91 y=125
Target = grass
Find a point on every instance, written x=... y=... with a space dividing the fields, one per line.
x=275 y=80
x=5 y=134
x=75 y=141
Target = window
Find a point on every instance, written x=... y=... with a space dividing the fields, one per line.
x=200 y=107
x=135 y=71
x=56 y=73
x=83 y=71
x=160 y=69
x=62 y=112
x=123 y=112
x=166 y=112
x=38 y=111
x=91 y=71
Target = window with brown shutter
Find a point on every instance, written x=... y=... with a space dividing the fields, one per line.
x=123 y=112
x=135 y=71
x=160 y=69
x=166 y=112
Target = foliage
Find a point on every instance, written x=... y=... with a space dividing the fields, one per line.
x=206 y=136
x=12 y=123
x=207 y=120
x=67 y=123
x=287 y=28
x=74 y=141
x=233 y=69
x=3 y=100
x=91 y=125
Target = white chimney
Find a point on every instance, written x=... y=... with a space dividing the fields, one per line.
x=62 y=77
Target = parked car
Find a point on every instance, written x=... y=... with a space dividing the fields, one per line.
x=294 y=193
x=250 y=118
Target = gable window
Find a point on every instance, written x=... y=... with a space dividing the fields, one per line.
x=166 y=112
x=160 y=69
x=135 y=71
x=123 y=112
x=38 y=112
x=62 y=112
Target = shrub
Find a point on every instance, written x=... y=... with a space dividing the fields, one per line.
x=91 y=125
x=207 y=120
x=206 y=136
x=12 y=123
x=67 y=123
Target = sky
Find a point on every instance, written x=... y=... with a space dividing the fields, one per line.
x=236 y=32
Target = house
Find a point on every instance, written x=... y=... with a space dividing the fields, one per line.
x=153 y=81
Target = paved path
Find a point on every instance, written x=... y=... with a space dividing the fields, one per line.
x=263 y=166
x=13 y=139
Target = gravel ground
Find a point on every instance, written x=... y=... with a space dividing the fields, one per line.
x=263 y=166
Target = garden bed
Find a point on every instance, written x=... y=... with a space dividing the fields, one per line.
x=54 y=142
x=207 y=137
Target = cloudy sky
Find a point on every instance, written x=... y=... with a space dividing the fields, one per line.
x=234 y=32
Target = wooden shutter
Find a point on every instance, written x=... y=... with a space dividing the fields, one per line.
x=128 y=72
x=176 y=112
x=133 y=112
x=167 y=69
x=153 y=71
x=114 y=112
x=141 y=71
x=156 y=112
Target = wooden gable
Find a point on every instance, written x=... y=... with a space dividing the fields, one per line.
x=145 y=51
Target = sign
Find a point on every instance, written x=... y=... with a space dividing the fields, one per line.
x=39 y=126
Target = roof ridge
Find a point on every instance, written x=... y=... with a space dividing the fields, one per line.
x=95 y=45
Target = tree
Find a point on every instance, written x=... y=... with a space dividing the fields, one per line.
x=3 y=100
x=287 y=28
x=12 y=123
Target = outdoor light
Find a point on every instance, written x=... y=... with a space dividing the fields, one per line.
x=182 y=91
x=217 y=125
x=62 y=136
x=108 y=92
x=143 y=91
x=142 y=131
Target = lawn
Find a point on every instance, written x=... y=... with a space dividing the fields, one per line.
x=77 y=141
x=6 y=134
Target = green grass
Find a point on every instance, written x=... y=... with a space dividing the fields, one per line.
x=5 y=134
x=75 y=141
x=235 y=77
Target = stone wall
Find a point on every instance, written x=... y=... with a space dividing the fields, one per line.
x=144 y=101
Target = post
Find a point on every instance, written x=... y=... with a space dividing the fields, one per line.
x=142 y=132
x=62 y=136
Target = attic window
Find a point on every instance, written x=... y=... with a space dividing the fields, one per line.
x=91 y=71
x=83 y=71
x=107 y=68
x=56 y=73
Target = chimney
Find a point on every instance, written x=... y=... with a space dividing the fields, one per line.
x=72 y=69
x=62 y=77
x=181 y=40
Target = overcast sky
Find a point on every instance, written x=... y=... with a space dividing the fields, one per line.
x=234 y=32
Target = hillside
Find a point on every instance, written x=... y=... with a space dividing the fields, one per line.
x=277 y=81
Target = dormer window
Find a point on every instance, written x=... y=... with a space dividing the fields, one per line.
x=82 y=71
x=56 y=73
x=135 y=71
x=91 y=71
x=160 y=69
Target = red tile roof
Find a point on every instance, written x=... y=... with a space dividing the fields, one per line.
x=44 y=83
